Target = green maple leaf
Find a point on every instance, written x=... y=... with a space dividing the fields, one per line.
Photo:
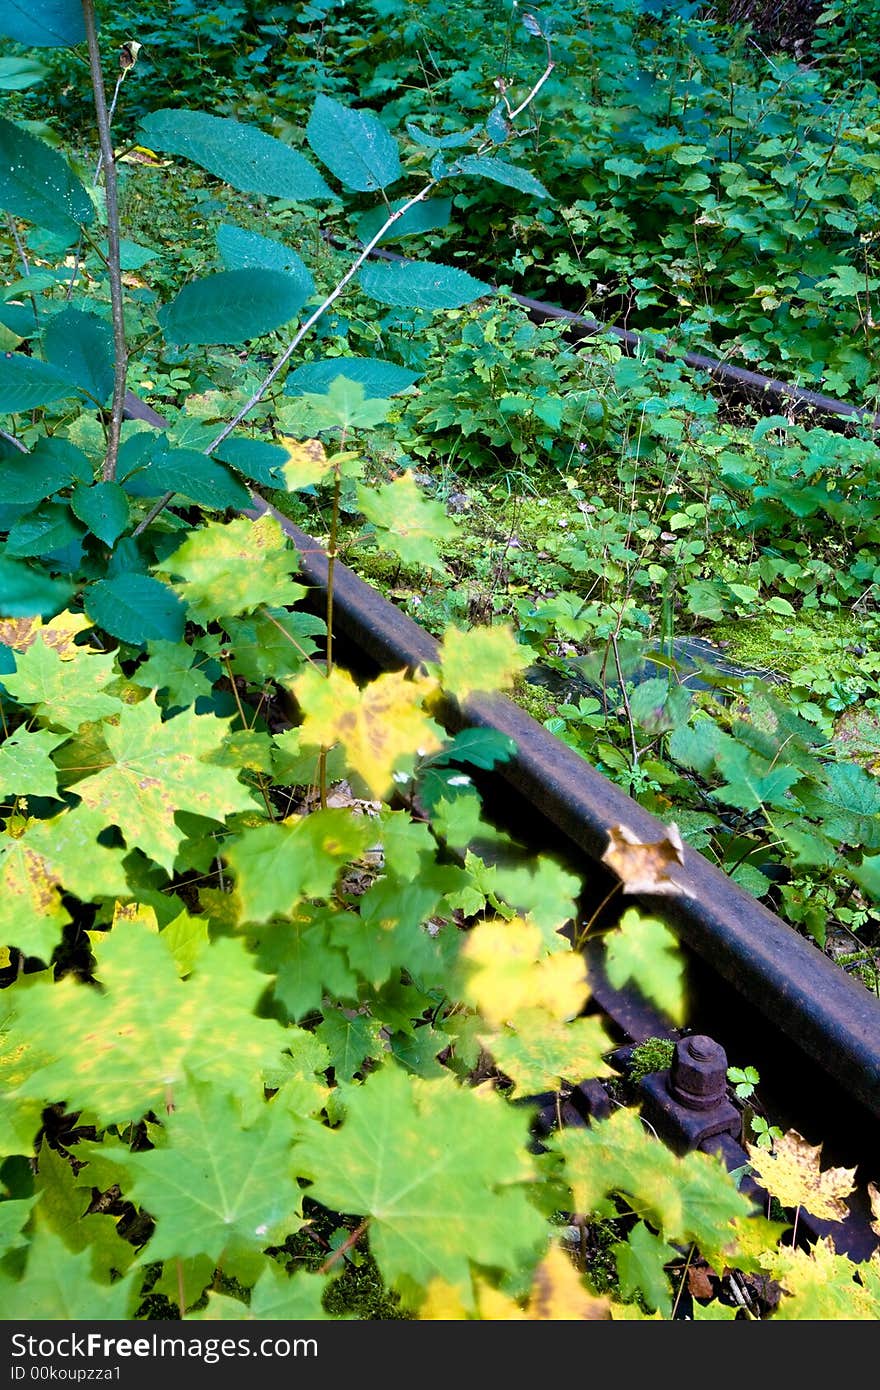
x=176 y=668
x=272 y=643
x=641 y=1261
x=160 y=767
x=64 y=692
x=57 y=1285
x=305 y=962
x=25 y=766
x=120 y=1052
x=620 y=1156
x=644 y=950
x=350 y=1038
x=233 y=567
x=275 y=1297
x=215 y=1187
x=278 y=865
x=541 y=890
x=406 y=522
x=712 y=1209
x=541 y=1051
x=62 y=1209
x=752 y=781
x=390 y=935
x=32 y=911
x=481 y=659
x=14 y=1216
x=440 y=1172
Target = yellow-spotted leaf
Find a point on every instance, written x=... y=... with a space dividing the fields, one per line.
x=406 y=522
x=484 y=659
x=507 y=971
x=227 y=568
x=59 y=632
x=306 y=463
x=381 y=727
x=539 y=1050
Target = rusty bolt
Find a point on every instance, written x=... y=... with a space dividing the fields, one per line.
x=698 y=1075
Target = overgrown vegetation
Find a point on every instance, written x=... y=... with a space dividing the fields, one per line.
x=264 y=954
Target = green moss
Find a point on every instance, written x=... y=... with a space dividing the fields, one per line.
x=785 y=645
x=654 y=1054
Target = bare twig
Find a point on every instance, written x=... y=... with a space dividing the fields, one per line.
x=11 y=439
x=120 y=365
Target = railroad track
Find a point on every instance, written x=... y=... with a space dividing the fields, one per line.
x=759 y=993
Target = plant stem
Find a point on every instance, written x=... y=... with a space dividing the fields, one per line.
x=120 y=365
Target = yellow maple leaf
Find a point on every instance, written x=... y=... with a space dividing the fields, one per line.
x=508 y=971
x=59 y=632
x=482 y=659
x=140 y=913
x=307 y=462
x=380 y=727
x=790 y=1172
x=540 y=1050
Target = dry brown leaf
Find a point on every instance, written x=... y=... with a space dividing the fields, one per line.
x=874 y=1195
x=791 y=1174
x=699 y=1283
x=643 y=867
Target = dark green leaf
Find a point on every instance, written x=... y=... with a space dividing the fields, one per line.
x=442 y=142
x=29 y=478
x=255 y=458
x=354 y=145
x=192 y=475
x=43 y=23
x=421 y=285
x=241 y=155
x=427 y=216
x=379 y=379
x=103 y=507
x=232 y=307
x=18 y=73
x=25 y=591
x=43 y=532
x=38 y=185
x=499 y=171
x=243 y=250
x=135 y=608
x=81 y=346
x=478 y=748
x=26 y=383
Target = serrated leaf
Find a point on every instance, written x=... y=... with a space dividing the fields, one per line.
x=305 y=961
x=122 y=1051
x=231 y=307
x=379 y=727
x=103 y=508
x=135 y=608
x=38 y=185
x=350 y=1038
x=644 y=951
x=488 y=166
x=240 y=154
x=26 y=590
x=278 y=864
x=539 y=1051
x=159 y=767
x=244 y=1201
x=482 y=659
x=26 y=383
x=421 y=285
x=821 y=1285
x=255 y=458
x=44 y=532
x=63 y=1210
x=645 y=866
x=641 y=1261
x=306 y=462
x=441 y=142
x=277 y=1296
x=791 y=1173
x=438 y=1169
x=406 y=522
x=379 y=378
x=190 y=474
x=477 y=748
x=354 y=145
x=26 y=768
x=177 y=668
x=64 y=692
x=43 y=23
x=234 y=567
x=80 y=345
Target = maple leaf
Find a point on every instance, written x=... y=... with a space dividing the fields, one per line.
x=57 y=1285
x=819 y=1284
x=791 y=1173
x=481 y=659
x=59 y=632
x=160 y=767
x=380 y=727
x=306 y=463
x=177 y=668
x=508 y=970
x=26 y=768
x=406 y=522
x=66 y=691
x=279 y=864
x=539 y=1051
x=215 y=1187
x=437 y=1168
x=234 y=567
x=350 y=1038
x=63 y=1208
x=644 y=867
x=641 y=1261
x=120 y=1052
x=275 y=1297
x=307 y=965
x=874 y=1198
x=643 y=949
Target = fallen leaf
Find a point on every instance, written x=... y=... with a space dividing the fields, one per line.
x=643 y=867
x=699 y=1283
x=790 y=1172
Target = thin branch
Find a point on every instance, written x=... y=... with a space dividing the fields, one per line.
x=19 y=244
x=11 y=439
x=120 y=365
